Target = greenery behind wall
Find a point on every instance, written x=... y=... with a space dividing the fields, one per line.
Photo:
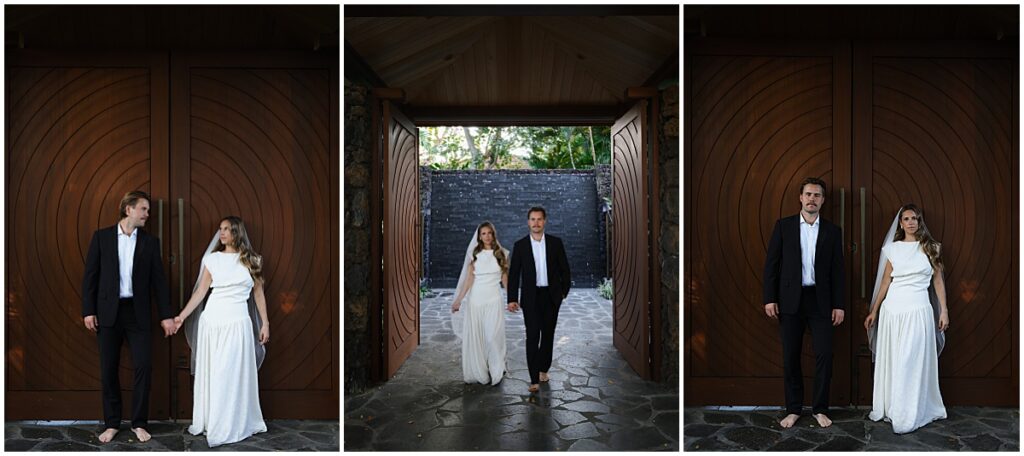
x=514 y=147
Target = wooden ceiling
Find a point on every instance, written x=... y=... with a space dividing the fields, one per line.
x=515 y=60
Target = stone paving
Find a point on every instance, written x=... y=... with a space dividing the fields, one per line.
x=281 y=435
x=594 y=401
x=757 y=428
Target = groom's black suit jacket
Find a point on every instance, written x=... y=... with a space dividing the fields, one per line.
x=559 y=280
x=783 y=267
x=101 y=284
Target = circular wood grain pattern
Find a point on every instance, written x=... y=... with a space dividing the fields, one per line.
x=760 y=125
x=78 y=140
x=259 y=150
x=941 y=138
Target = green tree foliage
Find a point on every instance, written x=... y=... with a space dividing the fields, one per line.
x=514 y=147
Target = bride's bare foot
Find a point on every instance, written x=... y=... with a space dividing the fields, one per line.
x=108 y=435
x=533 y=388
x=823 y=420
x=142 y=434
x=544 y=377
x=789 y=420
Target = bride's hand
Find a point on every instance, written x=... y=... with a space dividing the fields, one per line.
x=870 y=321
x=264 y=335
x=455 y=306
x=943 y=320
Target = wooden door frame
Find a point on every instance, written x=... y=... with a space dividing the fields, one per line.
x=751 y=391
x=63 y=404
x=863 y=53
x=291 y=402
x=511 y=116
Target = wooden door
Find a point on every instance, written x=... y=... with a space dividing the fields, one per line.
x=760 y=119
x=936 y=126
x=397 y=213
x=82 y=130
x=631 y=253
x=256 y=137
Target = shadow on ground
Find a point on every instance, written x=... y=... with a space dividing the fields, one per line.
x=281 y=435
x=593 y=402
x=757 y=428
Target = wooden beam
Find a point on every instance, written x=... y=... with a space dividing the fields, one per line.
x=641 y=92
x=356 y=67
x=429 y=116
x=667 y=70
x=509 y=10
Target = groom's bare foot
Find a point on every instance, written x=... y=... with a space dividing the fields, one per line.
x=544 y=377
x=823 y=420
x=142 y=434
x=108 y=435
x=789 y=420
x=533 y=388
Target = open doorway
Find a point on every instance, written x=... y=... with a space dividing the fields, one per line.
x=500 y=67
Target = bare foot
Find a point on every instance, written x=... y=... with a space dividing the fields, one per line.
x=141 y=434
x=823 y=420
x=108 y=435
x=534 y=388
x=789 y=420
x=544 y=377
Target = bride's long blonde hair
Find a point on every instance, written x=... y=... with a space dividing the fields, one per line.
x=499 y=252
x=246 y=254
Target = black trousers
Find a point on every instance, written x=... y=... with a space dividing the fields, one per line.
x=540 y=317
x=139 y=342
x=792 y=327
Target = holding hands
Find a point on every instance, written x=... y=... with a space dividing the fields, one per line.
x=169 y=327
x=513 y=307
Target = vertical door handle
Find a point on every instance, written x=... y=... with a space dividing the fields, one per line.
x=863 y=264
x=160 y=222
x=842 y=215
x=181 y=253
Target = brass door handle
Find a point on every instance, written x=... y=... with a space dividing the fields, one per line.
x=863 y=264
x=181 y=253
x=842 y=215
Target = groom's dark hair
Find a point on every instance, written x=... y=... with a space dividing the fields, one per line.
x=131 y=199
x=813 y=181
x=537 y=209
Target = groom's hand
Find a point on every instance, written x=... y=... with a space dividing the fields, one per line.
x=90 y=323
x=513 y=306
x=168 y=326
x=772 y=310
x=837 y=316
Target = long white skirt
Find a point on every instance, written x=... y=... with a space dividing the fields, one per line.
x=226 y=402
x=906 y=390
x=483 y=338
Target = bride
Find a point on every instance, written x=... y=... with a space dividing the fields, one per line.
x=223 y=334
x=906 y=324
x=483 y=331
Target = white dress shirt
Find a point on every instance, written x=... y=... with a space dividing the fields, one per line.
x=540 y=260
x=808 y=242
x=125 y=258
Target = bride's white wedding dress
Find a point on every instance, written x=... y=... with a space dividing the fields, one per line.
x=483 y=328
x=226 y=403
x=906 y=388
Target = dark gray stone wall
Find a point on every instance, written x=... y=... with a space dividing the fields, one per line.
x=461 y=200
x=357 y=236
x=668 y=239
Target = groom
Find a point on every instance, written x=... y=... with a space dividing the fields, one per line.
x=803 y=287
x=539 y=260
x=122 y=270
